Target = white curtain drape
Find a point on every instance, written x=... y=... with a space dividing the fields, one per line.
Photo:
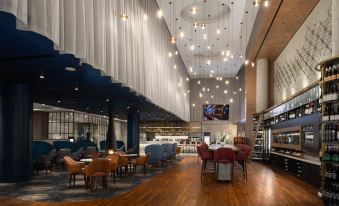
x=134 y=53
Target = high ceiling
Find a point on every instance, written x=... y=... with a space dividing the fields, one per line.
x=223 y=30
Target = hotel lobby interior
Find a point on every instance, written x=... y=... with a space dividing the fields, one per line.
x=169 y=102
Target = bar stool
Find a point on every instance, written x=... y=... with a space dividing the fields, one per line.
x=205 y=155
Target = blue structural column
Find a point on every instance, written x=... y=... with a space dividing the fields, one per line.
x=16 y=114
x=111 y=141
x=133 y=128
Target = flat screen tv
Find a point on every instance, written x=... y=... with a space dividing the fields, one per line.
x=216 y=112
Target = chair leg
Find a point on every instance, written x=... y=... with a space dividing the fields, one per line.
x=144 y=170
x=202 y=169
x=74 y=179
x=114 y=177
x=70 y=180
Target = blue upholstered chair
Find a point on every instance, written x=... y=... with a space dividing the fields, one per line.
x=121 y=145
x=63 y=144
x=102 y=145
x=86 y=143
x=167 y=151
x=156 y=153
x=40 y=149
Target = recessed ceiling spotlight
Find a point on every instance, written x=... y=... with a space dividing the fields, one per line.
x=236 y=77
x=192 y=47
x=208 y=47
x=240 y=89
x=195 y=73
x=222 y=53
x=246 y=62
x=217 y=86
x=225 y=91
x=176 y=53
x=70 y=69
x=127 y=107
x=200 y=94
x=187 y=79
x=190 y=69
x=159 y=13
x=206 y=102
x=234 y=92
x=59 y=101
x=204 y=36
x=252 y=64
x=218 y=31
x=188 y=91
x=208 y=62
x=225 y=59
x=212 y=96
x=227 y=82
x=107 y=100
x=231 y=100
x=193 y=105
x=211 y=75
x=198 y=81
x=123 y=17
x=170 y=54
x=175 y=66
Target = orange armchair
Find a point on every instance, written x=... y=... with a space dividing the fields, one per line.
x=141 y=161
x=97 y=168
x=73 y=168
x=123 y=162
x=113 y=164
x=177 y=152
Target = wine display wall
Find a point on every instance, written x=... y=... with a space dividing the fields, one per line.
x=329 y=189
x=258 y=137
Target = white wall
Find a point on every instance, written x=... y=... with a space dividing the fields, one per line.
x=294 y=69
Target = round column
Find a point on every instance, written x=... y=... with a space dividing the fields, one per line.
x=261 y=85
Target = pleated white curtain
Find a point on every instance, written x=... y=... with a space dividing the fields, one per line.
x=134 y=53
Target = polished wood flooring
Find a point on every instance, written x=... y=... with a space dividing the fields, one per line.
x=181 y=185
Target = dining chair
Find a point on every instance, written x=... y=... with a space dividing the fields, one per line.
x=113 y=164
x=97 y=168
x=141 y=161
x=206 y=155
x=224 y=156
x=74 y=168
x=242 y=157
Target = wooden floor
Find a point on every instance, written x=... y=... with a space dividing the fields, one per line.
x=181 y=185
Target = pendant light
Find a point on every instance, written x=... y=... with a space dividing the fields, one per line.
x=42 y=76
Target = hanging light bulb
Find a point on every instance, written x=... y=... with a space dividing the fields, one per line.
x=234 y=92
x=176 y=53
x=203 y=89
x=246 y=62
x=192 y=47
x=204 y=36
x=172 y=40
x=266 y=3
x=159 y=13
x=187 y=79
x=195 y=24
x=203 y=26
x=241 y=55
x=76 y=88
x=195 y=73
x=225 y=59
x=182 y=34
x=218 y=31
x=227 y=82
x=209 y=62
x=240 y=89
x=236 y=77
x=208 y=47
x=175 y=66
x=225 y=91
x=200 y=94
x=222 y=53
x=231 y=100
x=198 y=81
x=212 y=96
x=194 y=10
x=206 y=102
x=231 y=56
x=252 y=64
x=228 y=53
x=145 y=16
x=212 y=71
x=211 y=75
x=169 y=54
x=217 y=86
x=193 y=105
x=190 y=69
x=256 y=3
x=188 y=91
x=124 y=17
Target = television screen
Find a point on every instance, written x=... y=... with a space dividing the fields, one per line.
x=215 y=112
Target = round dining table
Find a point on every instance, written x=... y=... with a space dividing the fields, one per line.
x=224 y=169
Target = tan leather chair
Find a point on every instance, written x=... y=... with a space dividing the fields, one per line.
x=97 y=168
x=141 y=161
x=113 y=164
x=73 y=168
x=123 y=163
